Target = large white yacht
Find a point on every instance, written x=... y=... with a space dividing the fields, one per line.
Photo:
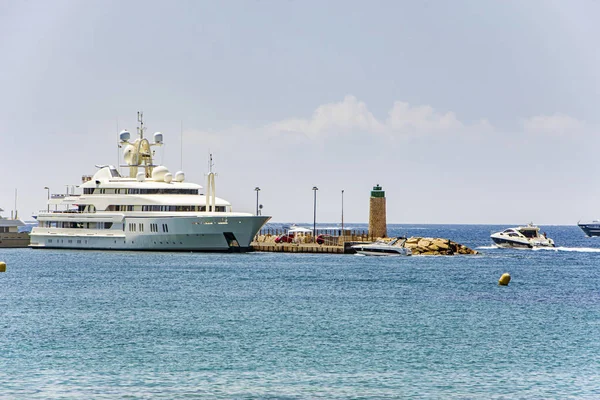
x=150 y=209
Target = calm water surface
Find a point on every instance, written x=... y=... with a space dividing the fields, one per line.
x=90 y=324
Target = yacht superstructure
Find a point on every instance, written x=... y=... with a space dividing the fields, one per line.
x=151 y=209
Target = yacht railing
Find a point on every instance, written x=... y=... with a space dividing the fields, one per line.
x=331 y=237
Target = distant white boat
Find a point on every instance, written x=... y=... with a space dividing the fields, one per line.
x=590 y=228
x=381 y=248
x=522 y=237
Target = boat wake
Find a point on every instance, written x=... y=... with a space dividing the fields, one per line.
x=545 y=248
x=571 y=249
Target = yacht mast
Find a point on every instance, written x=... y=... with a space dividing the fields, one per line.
x=141 y=128
x=210 y=186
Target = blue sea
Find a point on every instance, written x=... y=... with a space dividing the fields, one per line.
x=140 y=325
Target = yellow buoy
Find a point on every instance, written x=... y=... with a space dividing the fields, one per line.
x=2 y=266
x=504 y=279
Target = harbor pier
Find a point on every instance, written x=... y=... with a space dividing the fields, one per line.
x=297 y=248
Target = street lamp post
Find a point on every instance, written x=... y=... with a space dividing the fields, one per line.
x=342 y=211
x=257 y=189
x=48 y=189
x=315 y=213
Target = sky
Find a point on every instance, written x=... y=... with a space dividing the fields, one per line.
x=465 y=112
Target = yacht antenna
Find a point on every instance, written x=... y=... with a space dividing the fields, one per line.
x=141 y=128
x=181 y=146
x=118 y=147
x=16 y=213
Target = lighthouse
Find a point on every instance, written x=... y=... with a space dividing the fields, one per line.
x=377 y=214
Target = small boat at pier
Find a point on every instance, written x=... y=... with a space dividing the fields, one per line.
x=381 y=248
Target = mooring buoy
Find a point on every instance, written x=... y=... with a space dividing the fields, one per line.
x=2 y=266
x=504 y=279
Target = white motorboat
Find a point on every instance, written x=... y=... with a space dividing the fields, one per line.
x=381 y=248
x=151 y=209
x=522 y=237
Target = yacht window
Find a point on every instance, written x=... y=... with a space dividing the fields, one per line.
x=529 y=233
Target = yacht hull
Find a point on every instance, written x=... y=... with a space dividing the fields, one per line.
x=14 y=240
x=591 y=229
x=381 y=254
x=504 y=243
x=190 y=233
x=520 y=244
x=381 y=250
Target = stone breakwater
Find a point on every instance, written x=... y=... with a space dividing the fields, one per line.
x=418 y=245
x=436 y=246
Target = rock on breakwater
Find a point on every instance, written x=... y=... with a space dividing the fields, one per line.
x=436 y=246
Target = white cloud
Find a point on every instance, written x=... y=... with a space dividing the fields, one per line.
x=557 y=124
x=347 y=115
x=352 y=115
x=404 y=119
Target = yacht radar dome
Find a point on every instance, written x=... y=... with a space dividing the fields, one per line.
x=179 y=176
x=168 y=177
x=140 y=176
x=129 y=154
x=158 y=173
x=124 y=136
x=158 y=138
